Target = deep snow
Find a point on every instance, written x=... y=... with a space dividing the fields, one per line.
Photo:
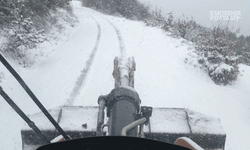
x=162 y=78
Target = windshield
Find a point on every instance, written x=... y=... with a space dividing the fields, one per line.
x=100 y=65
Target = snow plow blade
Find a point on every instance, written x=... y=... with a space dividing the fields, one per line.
x=166 y=124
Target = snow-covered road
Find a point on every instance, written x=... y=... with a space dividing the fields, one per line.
x=79 y=68
x=100 y=75
x=86 y=51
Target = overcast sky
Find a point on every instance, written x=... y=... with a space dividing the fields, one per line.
x=200 y=10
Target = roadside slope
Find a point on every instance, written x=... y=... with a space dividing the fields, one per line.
x=51 y=78
x=163 y=79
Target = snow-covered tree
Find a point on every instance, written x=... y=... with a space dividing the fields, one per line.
x=156 y=19
x=131 y=9
x=243 y=49
x=24 y=23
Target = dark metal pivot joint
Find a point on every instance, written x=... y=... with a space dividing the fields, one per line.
x=123 y=107
x=146 y=112
x=122 y=93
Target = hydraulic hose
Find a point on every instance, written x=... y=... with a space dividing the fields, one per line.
x=100 y=119
x=132 y=125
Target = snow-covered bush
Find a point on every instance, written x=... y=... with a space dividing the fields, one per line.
x=187 y=29
x=216 y=54
x=25 y=23
x=168 y=23
x=243 y=49
x=215 y=49
x=22 y=37
x=130 y=9
x=156 y=19
x=181 y=27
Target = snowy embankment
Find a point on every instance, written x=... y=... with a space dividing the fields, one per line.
x=162 y=78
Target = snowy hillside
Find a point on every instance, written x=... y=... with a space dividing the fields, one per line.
x=77 y=68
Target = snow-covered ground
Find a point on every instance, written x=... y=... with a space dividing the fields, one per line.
x=68 y=75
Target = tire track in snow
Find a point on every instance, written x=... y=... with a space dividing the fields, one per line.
x=120 y=38
x=81 y=79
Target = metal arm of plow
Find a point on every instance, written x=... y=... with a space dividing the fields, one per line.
x=21 y=113
x=33 y=97
x=124 y=72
